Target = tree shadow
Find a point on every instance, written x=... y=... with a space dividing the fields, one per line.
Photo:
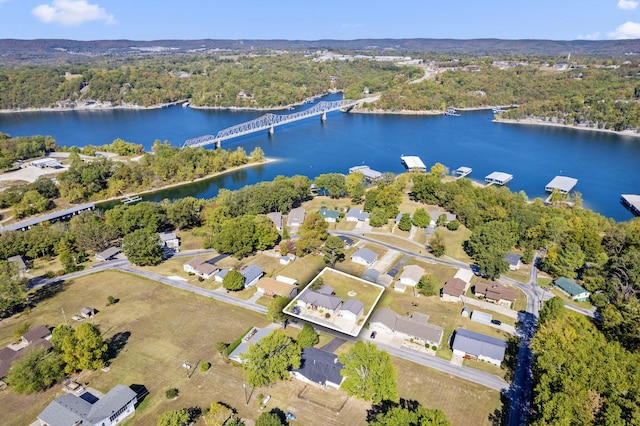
x=281 y=415
x=45 y=292
x=117 y=343
x=385 y=406
x=500 y=416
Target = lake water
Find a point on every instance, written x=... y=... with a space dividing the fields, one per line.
x=606 y=165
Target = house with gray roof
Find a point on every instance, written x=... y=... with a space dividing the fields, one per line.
x=19 y=261
x=469 y=344
x=352 y=309
x=276 y=218
x=200 y=267
x=296 y=217
x=414 y=328
x=108 y=254
x=169 y=241
x=514 y=261
x=312 y=299
x=319 y=367
x=573 y=289
x=357 y=215
x=364 y=256
x=87 y=409
x=251 y=274
x=411 y=275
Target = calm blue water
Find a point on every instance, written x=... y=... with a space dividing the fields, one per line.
x=606 y=165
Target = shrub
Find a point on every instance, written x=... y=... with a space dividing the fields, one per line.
x=434 y=347
x=327 y=315
x=453 y=225
x=111 y=300
x=205 y=366
x=172 y=393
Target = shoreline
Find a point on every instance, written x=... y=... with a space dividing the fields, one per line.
x=178 y=184
x=541 y=122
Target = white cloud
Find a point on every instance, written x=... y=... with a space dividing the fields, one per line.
x=626 y=30
x=627 y=4
x=72 y=12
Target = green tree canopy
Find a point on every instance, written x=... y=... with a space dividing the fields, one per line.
x=142 y=247
x=12 y=286
x=36 y=371
x=82 y=348
x=270 y=359
x=333 y=250
x=269 y=419
x=307 y=337
x=180 y=417
x=421 y=218
x=275 y=309
x=234 y=280
x=405 y=222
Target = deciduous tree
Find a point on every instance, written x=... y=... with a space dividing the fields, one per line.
x=233 y=281
x=142 y=247
x=333 y=250
x=307 y=337
x=36 y=371
x=270 y=359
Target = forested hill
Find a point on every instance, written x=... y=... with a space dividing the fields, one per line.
x=20 y=51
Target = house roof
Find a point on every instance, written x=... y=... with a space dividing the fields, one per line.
x=7 y=355
x=434 y=214
x=346 y=240
x=495 y=291
x=365 y=254
x=358 y=214
x=202 y=266
x=312 y=297
x=320 y=366
x=481 y=317
x=19 y=260
x=326 y=289
x=454 y=287
x=353 y=305
x=276 y=218
x=296 y=216
x=48 y=217
x=564 y=184
x=412 y=272
x=108 y=253
x=416 y=325
x=329 y=214
x=477 y=344
x=371 y=275
x=167 y=236
x=70 y=409
x=87 y=310
x=251 y=273
x=37 y=333
x=569 y=286
x=270 y=285
x=512 y=258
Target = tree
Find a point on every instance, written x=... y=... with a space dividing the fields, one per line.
x=32 y=203
x=410 y=413
x=552 y=309
x=334 y=183
x=82 y=348
x=270 y=359
x=174 y=418
x=12 y=286
x=91 y=232
x=269 y=419
x=439 y=170
x=437 y=243
x=378 y=217
x=233 y=281
x=257 y=154
x=489 y=244
x=307 y=337
x=275 y=309
x=333 y=250
x=369 y=373
x=313 y=232
x=184 y=213
x=405 y=222
x=142 y=247
x=36 y=371
x=421 y=218
x=428 y=285
x=218 y=414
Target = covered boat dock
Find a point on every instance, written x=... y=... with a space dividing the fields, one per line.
x=563 y=184
x=499 y=178
x=632 y=202
x=462 y=172
x=413 y=163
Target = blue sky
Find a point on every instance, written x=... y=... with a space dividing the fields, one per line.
x=313 y=20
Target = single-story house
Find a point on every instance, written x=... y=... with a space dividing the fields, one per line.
x=514 y=261
x=435 y=214
x=357 y=215
x=251 y=274
x=364 y=256
x=411 y=275
x=41 y=332
x=573 y=289
x=18 y=260
x=34 y=338
x=496 y=293
x=219 y=276
x=314 y=299
x=200 y=267
x=415 y=327
x=296 y=217
x=276 y=218
x=169 y=240
x=453 y=290
x=285 y=260
x=273 y=288
x=348 y=242
x=253 y=337
x=330 y=216
x=108 y=254
x=69 y=409
x=371 y=275
x=87 y=312
x=319 y=367
x=352 y=309
x=470 y=344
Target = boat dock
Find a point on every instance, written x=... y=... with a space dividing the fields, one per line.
x=562 y=184
x=130 y=199
x=632 y=202
x=498 y=178
x=413 y=163
x=462 y=172
x=451 y=112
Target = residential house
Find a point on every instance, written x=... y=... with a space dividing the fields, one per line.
x=453 y=290
x=219 y=276
x=414 y=328
x=108 y=254
x=87 y=409
x=411 y=275
x=169 y=241
x=470 y=344
x=330 y=216
x=276 y=218
x=200 y=267
x=496 y=293
x=19 y=261
x=514 y=261
x=356 y=215
x=348 y=242
x=319 y=300
x=41 y=332
x=251 y=274
x=435 y=214
x=320 y=368
x=34 y=338
x=364 y=256
x=285 y=260
x=273 y=288
x=296 y=217
x=352 y=309
x=573 y=289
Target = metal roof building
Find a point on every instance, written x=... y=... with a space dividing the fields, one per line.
x=632 y=202
x=499 y=178
x=476 y=345
x=50 y=217
x=563 y=184
x=413 y=162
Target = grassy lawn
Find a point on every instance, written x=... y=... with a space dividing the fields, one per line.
x=544 y=282
x=342 y=285
x=303 y=269
x=454 y=241
x=521 y=275
x=189 y=241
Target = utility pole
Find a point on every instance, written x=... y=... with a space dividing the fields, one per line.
x=65 y=317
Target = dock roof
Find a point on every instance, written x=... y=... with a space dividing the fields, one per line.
x=563 y=184
x=413 y=162
x=60 y=214
x=632 y=201
x=500 y=178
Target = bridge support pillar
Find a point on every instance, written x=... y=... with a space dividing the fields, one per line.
x=271 y=131
x=323 y=117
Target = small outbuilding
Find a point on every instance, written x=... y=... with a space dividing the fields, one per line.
x=87 y=312
x=108 y=254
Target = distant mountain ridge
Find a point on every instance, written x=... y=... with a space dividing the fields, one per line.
x=17 y=51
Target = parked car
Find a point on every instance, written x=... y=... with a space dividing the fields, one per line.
x=373 y=334
x=496 y=322
x=290 y=416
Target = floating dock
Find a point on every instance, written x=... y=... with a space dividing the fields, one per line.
x=499 y=178
x=369 y=174
x=131 y=199
x=462 y=172
x=413 y=163
x=562 y=184
x=632 y=202
x=451 y=112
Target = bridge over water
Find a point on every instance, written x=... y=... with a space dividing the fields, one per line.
x=270 y=121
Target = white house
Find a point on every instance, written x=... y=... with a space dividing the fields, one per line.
x=364 y=256
x=296 y=217
x=472 y=345
x=200 y=267
x=251 y=274
x=352 y=310
x=514 y=261
x=411 y=275
x=413 y=328
x=357 y=215
x=169 y=240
